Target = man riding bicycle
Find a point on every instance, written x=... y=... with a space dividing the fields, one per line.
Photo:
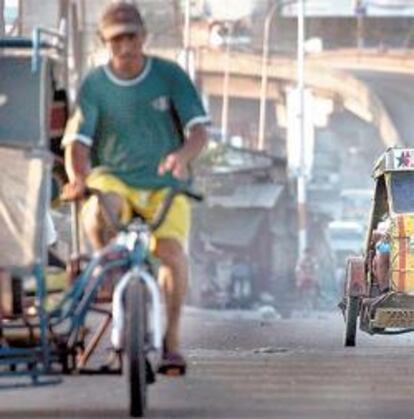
x=125 y=122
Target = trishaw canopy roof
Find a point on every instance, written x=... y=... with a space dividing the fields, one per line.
x=394 y=160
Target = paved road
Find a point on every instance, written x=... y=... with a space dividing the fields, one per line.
x=243 y=367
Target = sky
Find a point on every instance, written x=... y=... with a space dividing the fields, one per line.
x=10 y=10
x=231 y=9
x=347 y=7
x=235 y=9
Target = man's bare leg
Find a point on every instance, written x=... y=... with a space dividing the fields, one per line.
x=173 y=278
x=94 y=222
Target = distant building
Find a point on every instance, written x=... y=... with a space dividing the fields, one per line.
x=249 y=215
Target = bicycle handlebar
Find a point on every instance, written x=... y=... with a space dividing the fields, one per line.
x=166 y=205
x=160 y=215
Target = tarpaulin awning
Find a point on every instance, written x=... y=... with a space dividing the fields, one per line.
x=261 y=195
x=232 y=228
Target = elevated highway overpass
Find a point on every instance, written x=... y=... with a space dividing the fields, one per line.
x=374 y=85
x=341 y=75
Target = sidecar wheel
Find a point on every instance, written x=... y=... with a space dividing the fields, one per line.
x=351 y=317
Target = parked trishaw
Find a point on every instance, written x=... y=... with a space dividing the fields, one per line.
x=379 y=285
x=44 y=328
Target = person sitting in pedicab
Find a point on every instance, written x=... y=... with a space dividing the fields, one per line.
x=381 y=259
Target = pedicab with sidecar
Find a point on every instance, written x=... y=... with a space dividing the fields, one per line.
x=379 y=285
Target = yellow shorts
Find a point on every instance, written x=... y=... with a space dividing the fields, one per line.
x=177 y=222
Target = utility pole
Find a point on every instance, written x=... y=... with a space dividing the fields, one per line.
x=177 y=13
x=186 y=55
x=77 y=44
x=276 y=7
x=20 y=14
x=63 y=24
x=226 y=81
x=187 y=35
x=81 y=9
x=2 y=22
x=360 y=11
x=82 y=14
x=301 y=180
x=263 y=85
x=299 y=109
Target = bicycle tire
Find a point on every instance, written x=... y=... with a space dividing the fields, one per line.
x=17 y=296
x=134 y=345
x=351 y=317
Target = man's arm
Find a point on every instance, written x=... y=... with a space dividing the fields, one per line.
x=77 y=165
x=177 y=162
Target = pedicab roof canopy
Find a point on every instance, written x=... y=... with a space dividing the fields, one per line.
x=394 y=160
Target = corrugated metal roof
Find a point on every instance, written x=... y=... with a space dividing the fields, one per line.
x=262 y=195
x=228 y=228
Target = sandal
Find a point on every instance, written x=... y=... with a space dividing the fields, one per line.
x=172 y=364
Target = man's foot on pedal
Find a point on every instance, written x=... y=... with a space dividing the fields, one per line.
x=172 y=364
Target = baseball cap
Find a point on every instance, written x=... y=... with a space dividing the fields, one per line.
x=120 y=18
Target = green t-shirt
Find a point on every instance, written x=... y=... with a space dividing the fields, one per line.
x=129 y=124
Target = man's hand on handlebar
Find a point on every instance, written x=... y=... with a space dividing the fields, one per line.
x=74 y=190
x=176 y=163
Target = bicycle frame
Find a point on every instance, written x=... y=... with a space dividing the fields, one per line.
x=60 y=328
x=138 y=271
x=77 y=302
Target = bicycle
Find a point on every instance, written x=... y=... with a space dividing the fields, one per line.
x=136 y=304
x=57 y=336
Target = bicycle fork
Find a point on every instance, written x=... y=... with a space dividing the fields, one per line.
x=154 y=315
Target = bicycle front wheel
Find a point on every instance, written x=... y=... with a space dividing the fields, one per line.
x=134 y=345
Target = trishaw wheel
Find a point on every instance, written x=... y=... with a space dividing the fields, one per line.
x=351 y=317
x=134 y=341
